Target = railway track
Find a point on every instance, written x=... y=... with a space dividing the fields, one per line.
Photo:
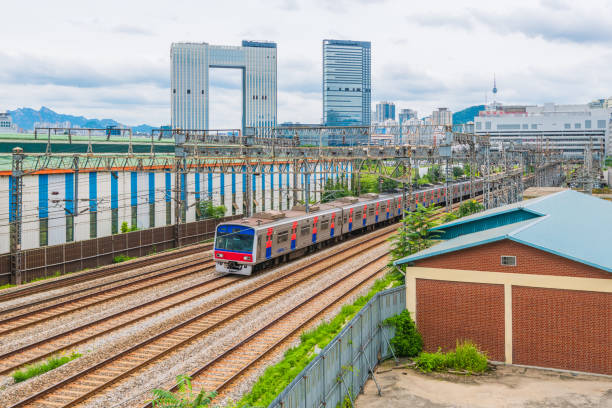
x=98 y=377
x=68 y=280
x=91 y=289
x=74 y=337
x=227 y=368
x=223 y=371
x=30 y=318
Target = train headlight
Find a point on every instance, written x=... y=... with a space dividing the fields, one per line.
x=246 y=258
x=219 y=255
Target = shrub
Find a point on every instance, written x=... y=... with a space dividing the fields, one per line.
x=407 y=340
x=457 y=172
x=42 y=367
x=466 y=356
x=428 y=362
x=470 y=207
x=124 y=227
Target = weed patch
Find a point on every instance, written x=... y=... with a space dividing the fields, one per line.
x=122 y=258
x=466 y=356
x=41 y=368
x=6 y=286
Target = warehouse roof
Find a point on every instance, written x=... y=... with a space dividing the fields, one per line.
x=568 y=224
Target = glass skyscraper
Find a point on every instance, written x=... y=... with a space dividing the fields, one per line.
x=189 y=87
x=346 y=83
x=384 y=111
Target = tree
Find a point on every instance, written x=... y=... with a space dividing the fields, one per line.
x=206 y=209
x=334 y=191
x=469 y=207
x=434 y=173
x=414 y=234
x=183 y=398
x=457 y=172
x=467 y=169
x=466 y=208
x=389 y=185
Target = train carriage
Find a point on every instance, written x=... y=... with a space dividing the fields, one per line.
x=271 y=237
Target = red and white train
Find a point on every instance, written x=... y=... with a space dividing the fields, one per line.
x=273 y=237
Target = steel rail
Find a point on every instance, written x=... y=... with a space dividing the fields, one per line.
x=51 y=299
x=259 y=289
x=72 y=302
x=84 y=277
x=284 y=338
x=36 y=345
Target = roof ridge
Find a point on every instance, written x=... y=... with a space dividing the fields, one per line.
x=533 y=222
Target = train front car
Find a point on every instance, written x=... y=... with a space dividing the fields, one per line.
x=234 y=249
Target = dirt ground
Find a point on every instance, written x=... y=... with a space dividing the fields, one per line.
x=505 y=386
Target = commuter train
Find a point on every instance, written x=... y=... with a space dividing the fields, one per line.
x=272 y=237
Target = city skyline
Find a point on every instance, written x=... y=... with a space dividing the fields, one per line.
x=545 y=51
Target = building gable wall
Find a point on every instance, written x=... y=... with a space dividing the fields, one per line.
x=529 y=260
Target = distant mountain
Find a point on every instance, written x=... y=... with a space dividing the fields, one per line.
x=143 y=129
x=26 y=118
x=467 y=115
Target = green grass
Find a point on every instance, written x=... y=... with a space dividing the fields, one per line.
x=122 y=258
x=466 y=356
x=6 y=286
x=55 y=275
x=278 y=376
x=42 y=367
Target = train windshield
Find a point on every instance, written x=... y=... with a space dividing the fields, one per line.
x=235 y=238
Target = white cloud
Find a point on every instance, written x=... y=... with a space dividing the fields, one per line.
x=85 y=58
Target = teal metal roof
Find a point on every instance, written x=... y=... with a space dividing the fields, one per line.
x=568 y=224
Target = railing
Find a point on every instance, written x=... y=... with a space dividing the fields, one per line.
x=345 y=364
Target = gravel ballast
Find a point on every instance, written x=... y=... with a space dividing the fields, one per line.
x=196 y=354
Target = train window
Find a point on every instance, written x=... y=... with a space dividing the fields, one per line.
x=371 y=211
x=357 y=214
x=305 y=230
x=324 y=225
x=344 y=220
x=282 y=237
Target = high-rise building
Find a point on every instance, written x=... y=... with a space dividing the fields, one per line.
x=406 y=114
x=346 y=83
x=564 y=129
x=384 y=111
x=442 y=116
x=189 y=88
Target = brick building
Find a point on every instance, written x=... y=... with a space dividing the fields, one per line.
x=530 y=283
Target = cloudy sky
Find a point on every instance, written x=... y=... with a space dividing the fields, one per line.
x=110 y=59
